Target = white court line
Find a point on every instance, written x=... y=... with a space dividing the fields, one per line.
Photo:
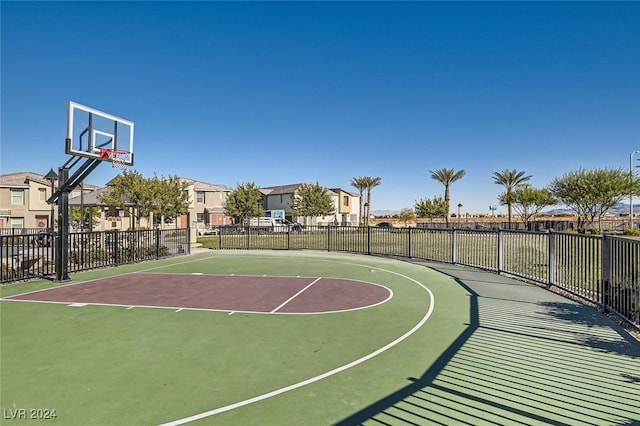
x=324 y=375
x=8 y=298
x=295 y=295
x=173 y=308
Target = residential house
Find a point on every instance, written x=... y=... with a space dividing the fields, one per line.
x=110 y=218
x=23 y=200
x=206 y=202
x=347 y=207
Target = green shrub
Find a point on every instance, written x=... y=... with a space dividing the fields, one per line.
x=8 y=273
x=87 y=256
x=632 y=232
x=162 y=251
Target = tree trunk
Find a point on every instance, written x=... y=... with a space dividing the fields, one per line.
x=361 y=217
x=447 y=198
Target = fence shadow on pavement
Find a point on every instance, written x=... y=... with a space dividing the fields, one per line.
x=528 y=356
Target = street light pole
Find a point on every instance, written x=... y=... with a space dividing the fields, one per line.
x=631 y=187
x=459 y=205
x=51 y=177
x=366 y=214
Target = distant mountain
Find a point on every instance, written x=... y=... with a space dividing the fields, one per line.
x=379 y=213
x=559 y=211
x=621 y=208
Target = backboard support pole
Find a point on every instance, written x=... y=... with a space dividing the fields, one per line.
x=67 y=184
x=62 y=242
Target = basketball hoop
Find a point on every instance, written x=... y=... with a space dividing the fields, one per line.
x=120 y=159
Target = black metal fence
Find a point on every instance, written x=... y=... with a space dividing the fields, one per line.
x=604 y=269
x=27 y=255
x=21 y=231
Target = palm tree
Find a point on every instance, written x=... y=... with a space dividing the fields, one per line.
x=447 y=177
x=360 y=184
x=370 y=183
x=510 y=179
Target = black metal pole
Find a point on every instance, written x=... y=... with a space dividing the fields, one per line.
x=62 y=242
x=81 y=206
x=51 y=225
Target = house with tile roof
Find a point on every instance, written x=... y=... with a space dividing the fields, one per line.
x=23 y=204
x=206 y=204
x=206 y=201
x=347 y=205
x=23 y=200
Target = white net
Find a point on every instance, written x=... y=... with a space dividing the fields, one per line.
x=119 y=159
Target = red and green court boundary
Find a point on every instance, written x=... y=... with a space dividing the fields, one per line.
x=227 y=293
x=450 y=346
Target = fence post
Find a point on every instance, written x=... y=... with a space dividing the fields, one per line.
x=328 y=237
x=410 y=251
x=454 y=246
x=500 y=254
x=158 y=242
x=605 y=290
x=551 y=261
x=368 y=239
x=116 y=247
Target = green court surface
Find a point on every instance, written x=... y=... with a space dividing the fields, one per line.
x=452 y=345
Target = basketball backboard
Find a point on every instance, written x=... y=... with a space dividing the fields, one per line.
x=90 y=132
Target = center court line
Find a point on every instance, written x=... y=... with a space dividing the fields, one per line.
x=295 y=295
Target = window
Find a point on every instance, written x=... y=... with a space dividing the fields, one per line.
x=345 y=200
x=17 y=222
x=42 y=194
x=17 y=196
x=199 y=196
x=200 y=217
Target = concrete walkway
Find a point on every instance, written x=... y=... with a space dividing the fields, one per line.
x=528 y=357
x=199 y=249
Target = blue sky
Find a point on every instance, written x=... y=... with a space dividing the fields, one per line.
x=286 y=92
